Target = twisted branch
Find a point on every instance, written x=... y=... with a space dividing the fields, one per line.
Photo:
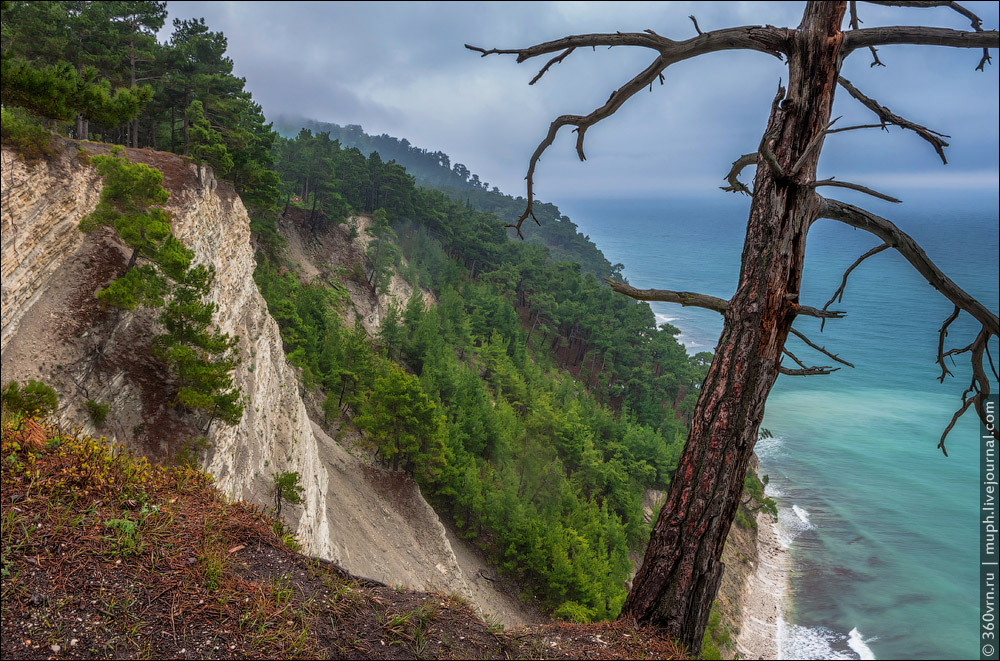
x=767 y=39
x=979 y=389
x=735 y=185
x=913 y=253
x=943 y=333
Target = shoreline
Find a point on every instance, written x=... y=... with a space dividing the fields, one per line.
x=765 y=590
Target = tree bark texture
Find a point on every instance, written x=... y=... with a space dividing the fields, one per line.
x=681 y=571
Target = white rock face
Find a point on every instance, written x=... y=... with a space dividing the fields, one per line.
x=374 y=523
x=43 y=205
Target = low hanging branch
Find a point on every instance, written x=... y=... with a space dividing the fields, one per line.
x=913 y=253
x=764 y=39
x=979 y=389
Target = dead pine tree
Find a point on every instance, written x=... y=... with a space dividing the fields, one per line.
x=681 y=571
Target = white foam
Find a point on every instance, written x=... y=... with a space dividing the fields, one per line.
x=796 y=642
x=857 y=643
x=664 y=318
x=792 y=522
x=769 y=448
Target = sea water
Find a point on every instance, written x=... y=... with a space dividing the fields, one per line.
x=881 y=527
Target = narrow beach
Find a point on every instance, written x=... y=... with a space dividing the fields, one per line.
x=765 y=589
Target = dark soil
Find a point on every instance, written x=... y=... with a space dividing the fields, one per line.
x=106 y=556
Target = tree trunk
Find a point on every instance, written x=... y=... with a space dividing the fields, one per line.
x=134 y=124
x=187 y=138
x=681 y=571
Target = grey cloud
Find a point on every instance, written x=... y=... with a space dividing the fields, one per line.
x=400 y=68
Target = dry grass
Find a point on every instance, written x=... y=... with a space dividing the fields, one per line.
x=106 y=555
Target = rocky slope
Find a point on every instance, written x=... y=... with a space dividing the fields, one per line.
x=53 y=329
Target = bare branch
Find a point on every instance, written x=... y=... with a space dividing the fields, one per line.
x=943 y=333
x=809 y=371
x=888 y=117
x=805 y=370
x=685 y=298
x=797 y=333
x=855 y=128
x=977 y=23
x=555 y=60
x=839 y=294
x=695 y=21
x=979 y=389
x=807 y=311
x=702 y=300
x=858 y=187
x=913 y=253
x=644 y=39
x=855 y=25
x=766 y=39
x=735 y=185
x=918 y=35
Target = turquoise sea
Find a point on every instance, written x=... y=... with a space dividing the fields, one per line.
x=882 y=528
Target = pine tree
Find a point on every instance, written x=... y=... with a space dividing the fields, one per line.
x=201 y=358
x=131 y=203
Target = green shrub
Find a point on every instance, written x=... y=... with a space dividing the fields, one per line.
x=25 y=134
x=98 y=411
x=287 y=489
x=34 y=398
x=572 y=611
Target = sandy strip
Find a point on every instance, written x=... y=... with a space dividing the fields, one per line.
x=766 y=587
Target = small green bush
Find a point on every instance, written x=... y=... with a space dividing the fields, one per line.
x=25 y=134
x=287 y=489
x=34 y=398
x=98 y=411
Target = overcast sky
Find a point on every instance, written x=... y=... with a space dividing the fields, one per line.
x=401 y=69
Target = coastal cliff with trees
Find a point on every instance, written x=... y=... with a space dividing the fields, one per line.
x=333 y=322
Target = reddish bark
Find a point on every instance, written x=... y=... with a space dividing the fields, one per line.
x=681 y=572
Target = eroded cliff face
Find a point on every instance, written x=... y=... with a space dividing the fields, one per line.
x=43 y=252
x=372 y=522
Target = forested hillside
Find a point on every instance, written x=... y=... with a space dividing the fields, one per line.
x=533 y=405
x=433 y=169
x=476 y=396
